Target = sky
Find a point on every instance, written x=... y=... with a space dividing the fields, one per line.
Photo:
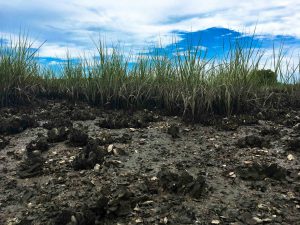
x=138 y=25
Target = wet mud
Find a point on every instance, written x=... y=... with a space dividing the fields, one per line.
x=68 y=164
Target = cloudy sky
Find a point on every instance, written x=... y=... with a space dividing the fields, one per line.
x=66 y=24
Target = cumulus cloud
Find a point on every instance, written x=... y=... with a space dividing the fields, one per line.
x=72 y=24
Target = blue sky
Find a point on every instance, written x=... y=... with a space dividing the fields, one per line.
x=138 y=24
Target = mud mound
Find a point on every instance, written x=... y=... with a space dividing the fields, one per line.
x=270 y=131
x=233 y=123
x=119 y=204
x=40 y=143
x=78 y=137
x=91 y=155
x=253 y=141
x=123 y=120
x=82 y=115
x=260 y=172
x=123 y=138
x=173 y=130
x=228 y=125
x=17 y=124
x=106 y=138
x=32 y=165
x=182 y=182
x=58 y=134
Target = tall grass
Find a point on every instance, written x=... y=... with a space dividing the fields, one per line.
x=186 y=83
x=19 y=71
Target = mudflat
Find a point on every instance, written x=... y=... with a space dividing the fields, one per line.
x=63 y=163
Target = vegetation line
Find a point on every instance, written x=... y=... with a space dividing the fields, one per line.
x=187 y=83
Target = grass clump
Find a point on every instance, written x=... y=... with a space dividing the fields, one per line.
x=19 y=72
x=186 y=83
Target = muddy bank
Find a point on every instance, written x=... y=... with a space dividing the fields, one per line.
x=73 y=164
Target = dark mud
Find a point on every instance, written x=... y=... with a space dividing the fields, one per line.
x=67 y=164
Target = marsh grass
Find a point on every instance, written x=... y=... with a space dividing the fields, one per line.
x=18 y=71
x=186 y=83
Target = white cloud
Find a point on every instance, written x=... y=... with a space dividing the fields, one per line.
x=71 y=24
x=57 y=51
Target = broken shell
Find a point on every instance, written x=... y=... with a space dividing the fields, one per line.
x=139 y=220
x=142 y=141
x=73 y=220
x=115 y=152
x=137 y=209
x=291 y=195
x=110 y=148
x=153 y=178
x=257 y=220
x=165 y=220
x=97 y=168
x=290 y=157
x=262 y=206
x=266 y=220
x=232 y=175
x=54 y=153
x=147 y=202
